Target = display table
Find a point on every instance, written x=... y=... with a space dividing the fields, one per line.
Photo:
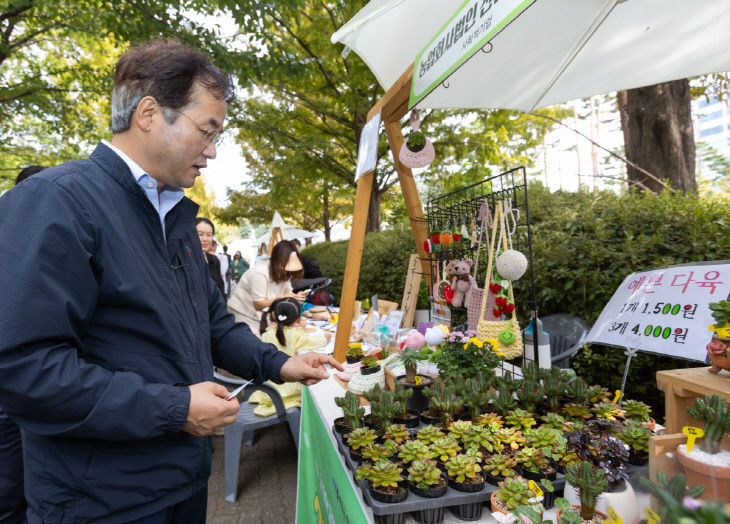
x=682 y=386
x=326 y=490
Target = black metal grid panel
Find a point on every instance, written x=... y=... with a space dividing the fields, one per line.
x=461 y=207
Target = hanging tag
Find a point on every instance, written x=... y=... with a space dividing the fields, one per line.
x=613 y=517
x=534 y=487
x=692 y=434
x=618 y=396
x=651 y=516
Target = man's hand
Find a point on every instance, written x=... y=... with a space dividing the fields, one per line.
x=307 y=368
x=208 y=411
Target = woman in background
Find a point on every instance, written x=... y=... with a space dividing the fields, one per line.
x=206 y=231
x=240 y=266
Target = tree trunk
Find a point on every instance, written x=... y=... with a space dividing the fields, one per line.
x=374 y=208
x=326 y=215
x=658 y=136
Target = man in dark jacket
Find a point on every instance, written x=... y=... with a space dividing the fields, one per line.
x=111 y=323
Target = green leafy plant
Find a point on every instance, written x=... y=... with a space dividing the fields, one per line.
x=398 y=433
x=590 y=483
x=598 y=394
x=514 y=491
x=500 y=465
x=636 y=435
x=462 y=355
x=481 y=437
x=577 y=391
x=511 y=437
x=713 y=411
x=444 y=448
x=576 y=412
x=370 y=362
x=542 y=437
x=354 y=351
x=361 y=437
x=424 y=474
x=489 y=419
x=429 y=434
x=459 y=429
x=636 y=410
x=414 y=450
x=671 y=495
x=375 y=452
x=720 y=312
x=520 y=419
x=554 y=421
x=463 y=468
x=532 y=460
x=447 y=404
x=416 y=140
x=382 y=474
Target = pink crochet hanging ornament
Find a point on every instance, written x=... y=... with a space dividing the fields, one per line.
x=417 y=150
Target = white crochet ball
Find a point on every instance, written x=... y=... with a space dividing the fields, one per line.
x=415 y=340
x=511 y=264
x=434 y=336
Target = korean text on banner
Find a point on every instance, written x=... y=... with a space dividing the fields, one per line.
x=664 y=310
x=367 y=153
x=473 y=24
x=324 y=490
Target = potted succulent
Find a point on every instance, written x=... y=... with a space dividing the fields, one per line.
x=482 y=438
x=703 y=465
x=590 y=483
x=490 y=420
x=404 y=415
x=414 y=450
x=555 y=383
x=354 y=353
x=409 y=359
x=636 y=436
x=576 y=412
x=499 y=467
x=607 y=410
x=476 y=394
x=510 y=437
x=369 y=365
x=717 y=349
x=636 y=410
x=465 y=474
x=513 y=492
x=425 y=479
x=502 y=400
x=459 y=429
x=446 y=403
x=577 y=391
x=520 y=419
x=385 y=480
x=432 y=415
x=398 y=433
x=429 y=434
x=352 y=412
x=445 y=448
x=554 y=421
x=597 y=394
x=531 y=396
x=671 y=495
x=359 y=438
x=374 y=452
x=535 y=465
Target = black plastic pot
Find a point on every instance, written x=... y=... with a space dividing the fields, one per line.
x=638 y=458
x=548 y=498
x=467 y=487
x=472 y=511
x=428 y=419
x=429 y=516
x=389 y=498
x=529 y=475
x=353 y=360
x=413 y=420
x=355 y=455
x=493 y=479
x=418 y=401
x=369 y=371
x=395 y=518
x=429 y=493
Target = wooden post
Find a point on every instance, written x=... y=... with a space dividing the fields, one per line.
x=352 y=265
x=410 y=292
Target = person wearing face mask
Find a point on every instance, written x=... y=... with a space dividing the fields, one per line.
x=266 y=282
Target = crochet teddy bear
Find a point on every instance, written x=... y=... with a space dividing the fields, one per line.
x=462 y=281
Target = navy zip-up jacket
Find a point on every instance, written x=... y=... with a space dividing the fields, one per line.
x=103 y=326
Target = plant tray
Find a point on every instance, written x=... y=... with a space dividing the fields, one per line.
x=413 y=503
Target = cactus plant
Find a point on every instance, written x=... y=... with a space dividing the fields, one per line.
x=444 y=448
x=351 y=409
x=636 y=410
x=577 y=391
x=590 y=483
x=409 y=359
x=463 y=468
x=414 y=450
x=475 y=395
x=500 y=465
x=447 y=404
x=424 y=474
x=520 y=419
x=530 y=396
x=671 y=495
x=502 y=400
x=555 y=382
x=400 y=397
x=713 y=411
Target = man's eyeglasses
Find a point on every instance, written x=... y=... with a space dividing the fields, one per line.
x=210 y=136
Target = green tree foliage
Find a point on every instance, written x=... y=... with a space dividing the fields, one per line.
x=56 y=67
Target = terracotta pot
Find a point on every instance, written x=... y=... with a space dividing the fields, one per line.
x=577 y=508
x=651 y=424
x=722 y=361
x=492 y=499
x=715 y=479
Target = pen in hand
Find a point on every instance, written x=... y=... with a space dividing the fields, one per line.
x=238 y=390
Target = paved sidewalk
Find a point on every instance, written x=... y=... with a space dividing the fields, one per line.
x=267 y=481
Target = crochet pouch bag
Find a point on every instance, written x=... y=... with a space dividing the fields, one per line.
x=507 y=332
x=473 y=301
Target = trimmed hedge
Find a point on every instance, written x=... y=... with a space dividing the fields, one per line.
x=584 y=245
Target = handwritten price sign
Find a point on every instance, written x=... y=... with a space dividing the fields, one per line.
x=665 y=310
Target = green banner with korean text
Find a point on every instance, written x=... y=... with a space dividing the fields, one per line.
x=324 y=490
x=470 y=28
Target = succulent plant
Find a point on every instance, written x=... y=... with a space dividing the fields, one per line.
x=370 y=362
x=447 y=404
x=555 y=382
x=382 y=474
x=554 y=421
x=577 y=391
x=375 y=452
x=429 y=434
x=582 y=444
x=603 y=427
x=520 y=419
x=598 y=394
x=409 y=359
x=500 y=465
x=671 y=495
x=361 y=437
x=576 y=412
x=414 y=450
x=613 y=456
x=475 y=395
x=530 y=396
x=502 y=400
x=424 y=474
x=458 y=429
x=487 y=419
x=514 y=491
x=607 y=410
x=415 y=140
x=511 y=384
x=532 y=372
x=720 y=312
x=481 y=437
x=475 y=453
x=532 y=460
x=354 y=351
x=444 y=448
x=636 y=410
x=510 y=437
x=462 y=468
x=590 y=483
x=351 y=409
x=397 y=433
x=713 y=411
x=636 y=435
x=400 y=397
x=542 y=437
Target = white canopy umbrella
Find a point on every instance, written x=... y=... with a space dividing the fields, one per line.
x=549 y=51
x=288 y=232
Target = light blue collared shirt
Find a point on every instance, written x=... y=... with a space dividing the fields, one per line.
x=162 y=201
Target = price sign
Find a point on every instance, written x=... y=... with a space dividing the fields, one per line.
x=534 y=487
x=613 y=517
x=692 y=434
x=665 y=310
x=651 y=516
x=617 y=397
x=367 y=153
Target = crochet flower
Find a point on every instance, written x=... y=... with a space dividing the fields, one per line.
x=717 y=347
